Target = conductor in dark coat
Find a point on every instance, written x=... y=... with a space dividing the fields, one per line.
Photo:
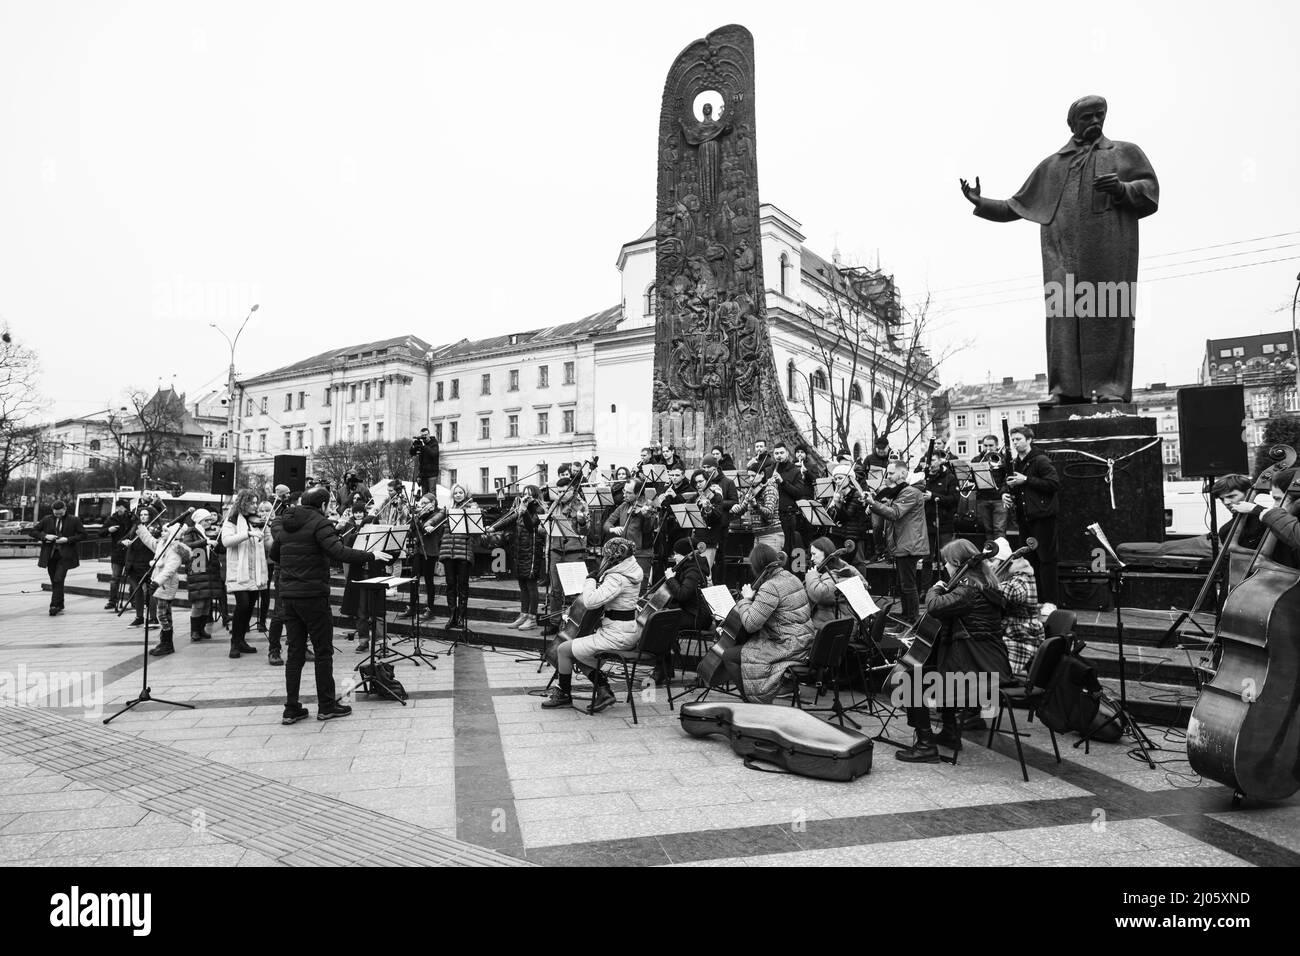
x=58 y=534
x=1088 y=197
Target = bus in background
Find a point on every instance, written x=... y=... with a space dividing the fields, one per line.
x=93 y=507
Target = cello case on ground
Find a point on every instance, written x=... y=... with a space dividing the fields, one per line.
x=791 y=738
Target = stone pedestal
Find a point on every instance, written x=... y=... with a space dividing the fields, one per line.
x=1073 y=433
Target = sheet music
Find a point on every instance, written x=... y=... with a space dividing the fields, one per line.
x=855 y=592
x=719 y=599
x=982 y=472
x=572 y=575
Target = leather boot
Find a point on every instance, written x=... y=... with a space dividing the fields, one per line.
x=196 y=630
x=950 y=735
x=164 y=644
x=923 y=749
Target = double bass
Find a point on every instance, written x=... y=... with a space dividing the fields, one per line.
x=1243 y=730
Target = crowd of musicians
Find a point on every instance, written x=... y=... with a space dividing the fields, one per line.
x=265 y=565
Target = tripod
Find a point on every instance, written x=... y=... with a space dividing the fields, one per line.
x=146 y=694
x=1122 y=717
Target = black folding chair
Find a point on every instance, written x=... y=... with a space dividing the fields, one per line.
x=823 y=667
x=655 y=646
x=1029 y=695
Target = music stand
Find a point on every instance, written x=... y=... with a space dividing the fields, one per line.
x=421 y=552
x=689 y=517
x=377 y=589
x=654 y=474
x=460 y=521
x=1121 y=716
x=145 y=579
x=984 y=474
x=597 y=496
x=389 y=538
x=814 y=512
x=823 y=488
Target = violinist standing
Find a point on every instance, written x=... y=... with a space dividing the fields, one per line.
x=724 y=499
x=636 y=520
x=423 y=550
x=567 y=539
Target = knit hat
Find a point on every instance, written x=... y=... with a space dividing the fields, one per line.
x=683 y=547
x=200 y=516
x=315 y=497
x=617 y=550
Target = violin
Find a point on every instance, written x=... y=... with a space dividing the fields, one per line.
x=1242 y=731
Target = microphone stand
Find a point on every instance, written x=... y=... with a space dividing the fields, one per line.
x=145 y=691
x=1121 y=716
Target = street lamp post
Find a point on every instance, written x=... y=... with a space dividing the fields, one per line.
x=230 y=386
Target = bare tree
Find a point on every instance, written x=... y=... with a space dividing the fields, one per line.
x=20 y=404
x=874 y=361
x=152 y=436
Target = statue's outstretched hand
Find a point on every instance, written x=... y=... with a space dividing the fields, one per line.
x=972 y=193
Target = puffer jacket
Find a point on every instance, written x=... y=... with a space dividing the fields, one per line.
x=779 y=618
x=303 y=549
x=904 y=515
x=246 y=557
x=529 y=543
x=167 y=568
x=971 y=638
x=827 y=603
x=204 y=576
x=459 y=547
x=618 y=590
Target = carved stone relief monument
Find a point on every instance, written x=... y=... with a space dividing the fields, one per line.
x=715 y=380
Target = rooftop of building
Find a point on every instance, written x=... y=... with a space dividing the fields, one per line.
x=411 y=346
x=594 y=324
x=1008 y=391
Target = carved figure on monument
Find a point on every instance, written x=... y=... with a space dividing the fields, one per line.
x=714 y=369
x=704 y=136
x=1088 y=197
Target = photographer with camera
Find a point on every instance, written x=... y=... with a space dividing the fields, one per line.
x=424 y=449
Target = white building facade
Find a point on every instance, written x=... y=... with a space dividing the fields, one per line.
x=514 y=407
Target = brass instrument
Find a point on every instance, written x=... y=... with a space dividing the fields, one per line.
x=516 y=509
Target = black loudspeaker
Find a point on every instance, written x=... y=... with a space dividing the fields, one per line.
x=1210 y=421
x=223 y=478
x=291 y=470
x=1138 y=513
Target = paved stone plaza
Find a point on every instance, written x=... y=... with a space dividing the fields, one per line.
x=472 y=771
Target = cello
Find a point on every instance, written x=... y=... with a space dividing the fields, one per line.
x=1242 y=731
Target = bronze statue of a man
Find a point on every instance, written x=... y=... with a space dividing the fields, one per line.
x=1088 y=197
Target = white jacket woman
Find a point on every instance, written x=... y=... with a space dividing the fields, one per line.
x=246 y=566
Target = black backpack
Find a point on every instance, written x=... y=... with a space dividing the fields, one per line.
x=381 y=681
x=1073 y=698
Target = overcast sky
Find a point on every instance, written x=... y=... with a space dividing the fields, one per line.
x=369 y=170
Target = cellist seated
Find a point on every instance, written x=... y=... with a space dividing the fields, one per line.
x=1277 y=519
x=614 y=589
x=684 y=581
